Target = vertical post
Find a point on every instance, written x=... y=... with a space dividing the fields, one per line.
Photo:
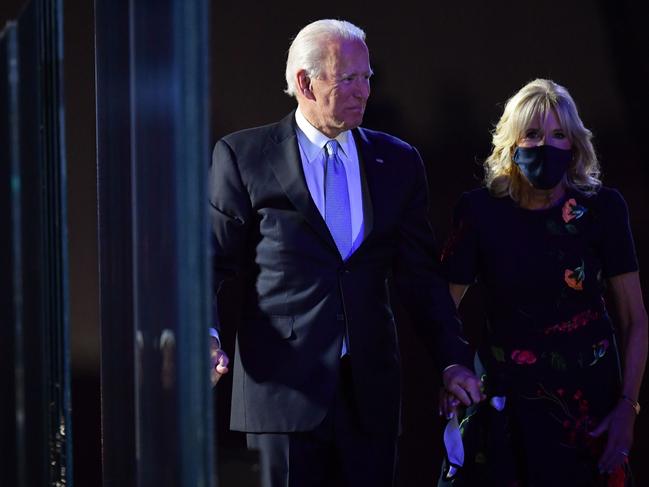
x=37 y=277
x=55 y=246
x=153 y=153
x=191 y=56
x=113 y=107
x=11 y=461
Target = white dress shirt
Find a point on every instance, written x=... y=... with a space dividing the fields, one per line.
x=313 y=154
x=314 y=157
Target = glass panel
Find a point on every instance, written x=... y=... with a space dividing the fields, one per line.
x=35 y=213
x=153 y=153
x=10 y=259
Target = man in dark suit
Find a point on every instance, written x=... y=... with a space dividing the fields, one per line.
x=316 y=215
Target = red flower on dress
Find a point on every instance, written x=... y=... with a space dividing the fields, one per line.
x=574 y=417
x=578 y=321
x=523 y=357
x=575 y=277
x=571 y=210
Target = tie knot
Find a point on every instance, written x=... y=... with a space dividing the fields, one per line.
x=332 y=147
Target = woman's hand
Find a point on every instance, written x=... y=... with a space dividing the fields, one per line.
x=619 y=426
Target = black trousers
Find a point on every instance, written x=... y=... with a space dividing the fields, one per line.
x=336 y=453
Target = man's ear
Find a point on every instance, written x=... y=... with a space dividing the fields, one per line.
x=304 y=84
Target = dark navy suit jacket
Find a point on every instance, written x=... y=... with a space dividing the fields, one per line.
x=300 y=297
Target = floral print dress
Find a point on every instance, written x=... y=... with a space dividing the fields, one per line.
x=548 y=354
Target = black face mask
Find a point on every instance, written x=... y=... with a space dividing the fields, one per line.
x=543 y=166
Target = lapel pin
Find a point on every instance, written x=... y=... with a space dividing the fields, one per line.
x=380 y=161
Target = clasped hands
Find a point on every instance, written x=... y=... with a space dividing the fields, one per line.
x=461 y=386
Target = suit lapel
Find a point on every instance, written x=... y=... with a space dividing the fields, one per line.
x=283 y=155
x=367 y=161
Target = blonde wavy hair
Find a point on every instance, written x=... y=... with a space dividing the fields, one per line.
x=535 y=100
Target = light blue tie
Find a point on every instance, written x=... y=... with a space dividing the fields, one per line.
x=337 y=209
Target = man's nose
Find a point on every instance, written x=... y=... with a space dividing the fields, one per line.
x=362 y=88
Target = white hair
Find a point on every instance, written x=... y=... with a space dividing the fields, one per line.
x=306 y=51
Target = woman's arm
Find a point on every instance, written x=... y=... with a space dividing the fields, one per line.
x=633 y=333
x=633 y=329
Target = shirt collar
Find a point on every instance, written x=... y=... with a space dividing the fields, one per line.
x=313 y=141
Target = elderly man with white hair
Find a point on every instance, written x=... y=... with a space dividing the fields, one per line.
x=316 y=215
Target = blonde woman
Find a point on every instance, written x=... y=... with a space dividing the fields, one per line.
x=545 y=239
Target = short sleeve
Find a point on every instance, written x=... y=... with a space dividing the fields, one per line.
x=617 y=250
x=460 y=253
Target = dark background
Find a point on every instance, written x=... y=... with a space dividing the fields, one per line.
x=442 y=73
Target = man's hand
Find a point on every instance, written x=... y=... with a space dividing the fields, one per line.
x=447 y=404
x=218 y=361
x=463 y=384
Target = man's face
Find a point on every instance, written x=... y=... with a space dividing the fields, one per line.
x=341 y=89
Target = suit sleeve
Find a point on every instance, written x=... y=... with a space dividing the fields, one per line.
x=419 y=280
x=230 y=214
